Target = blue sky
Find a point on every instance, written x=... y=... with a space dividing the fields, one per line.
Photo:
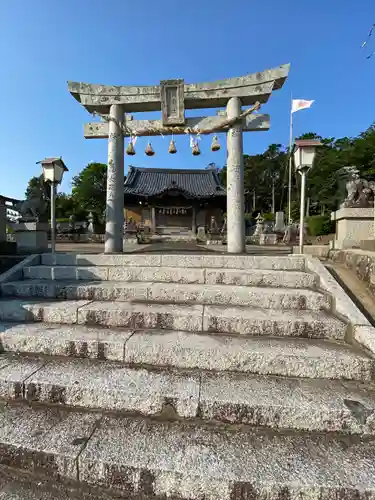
x=44 y=43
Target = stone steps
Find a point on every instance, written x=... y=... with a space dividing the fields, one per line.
x=18 y=485
x=272 y=402
x=194 y=318
x=138 y=457
x=192 y=351
x=261 y=297
x=211 y=276
x=207 y=260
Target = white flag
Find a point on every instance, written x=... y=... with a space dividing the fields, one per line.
x=298 y=104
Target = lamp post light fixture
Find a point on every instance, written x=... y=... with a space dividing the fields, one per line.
x=53 y=171
x=304 y=153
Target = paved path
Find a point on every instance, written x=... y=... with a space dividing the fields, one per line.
x=171 y=247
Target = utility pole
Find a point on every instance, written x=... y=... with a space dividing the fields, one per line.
x=254 y=200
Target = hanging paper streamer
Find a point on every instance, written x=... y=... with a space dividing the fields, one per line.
x=367 y=41
x=149 y=151
x=215 y=146
x=172 y=147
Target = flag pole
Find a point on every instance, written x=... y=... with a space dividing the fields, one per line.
x=290 y=163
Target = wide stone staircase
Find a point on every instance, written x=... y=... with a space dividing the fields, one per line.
x=195 y=377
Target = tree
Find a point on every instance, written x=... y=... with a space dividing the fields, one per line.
x=89 y=189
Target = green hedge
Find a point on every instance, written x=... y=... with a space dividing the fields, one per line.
x=268 y=216
x=320 y=224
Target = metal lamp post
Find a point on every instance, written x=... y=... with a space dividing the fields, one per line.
x=53 y=171
x=304 y=154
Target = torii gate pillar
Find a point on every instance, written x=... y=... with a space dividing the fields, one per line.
x=114 y=221
x=235 y=182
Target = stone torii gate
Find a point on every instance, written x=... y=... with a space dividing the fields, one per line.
x=172 y=97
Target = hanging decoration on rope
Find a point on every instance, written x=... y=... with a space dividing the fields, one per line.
x=367 y=41
x=149 y=151
x=195 y=150
x=172 y=148
x=130 y=149
x=194 y=146
x=215 y=146
x=156 y=130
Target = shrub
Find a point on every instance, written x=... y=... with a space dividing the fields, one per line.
x=268 y=216
x=320 y=224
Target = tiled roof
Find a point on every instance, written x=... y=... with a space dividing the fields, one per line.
x=156 y=181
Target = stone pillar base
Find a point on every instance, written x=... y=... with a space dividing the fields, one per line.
x=31 y=237
x=353 y=225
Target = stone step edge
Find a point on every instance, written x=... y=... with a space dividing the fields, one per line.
x=181 y=260
x=90 y=448
x=146 y=291
x=199 y=352
x=106 y=336
x=186 y=394
x=173 y=268
x=202 y=318
x=34 y=485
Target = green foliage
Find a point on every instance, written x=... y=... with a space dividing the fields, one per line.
x=268 y=216
x=325 y=186
x=320 y=224
x=89 y=188
x=294 y=210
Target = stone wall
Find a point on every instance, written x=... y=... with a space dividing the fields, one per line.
x=360 y=262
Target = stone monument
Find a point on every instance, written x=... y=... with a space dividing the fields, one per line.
x=130 y=232
x=214 y=234
x=31 y=230
x=355 y=218
x=113 y=103
x=261 y=235
x=279 y=222
x=90 y=227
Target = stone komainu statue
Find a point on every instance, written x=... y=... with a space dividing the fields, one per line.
x=360 y=192
x=32 y=210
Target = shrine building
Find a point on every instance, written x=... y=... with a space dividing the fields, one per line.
x=174 y=201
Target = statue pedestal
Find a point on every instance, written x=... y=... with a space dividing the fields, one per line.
x=130 y=237
x=352 y=226
x=201 y=233
x=214 y=238
x=31 y=237
x=264 y=239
